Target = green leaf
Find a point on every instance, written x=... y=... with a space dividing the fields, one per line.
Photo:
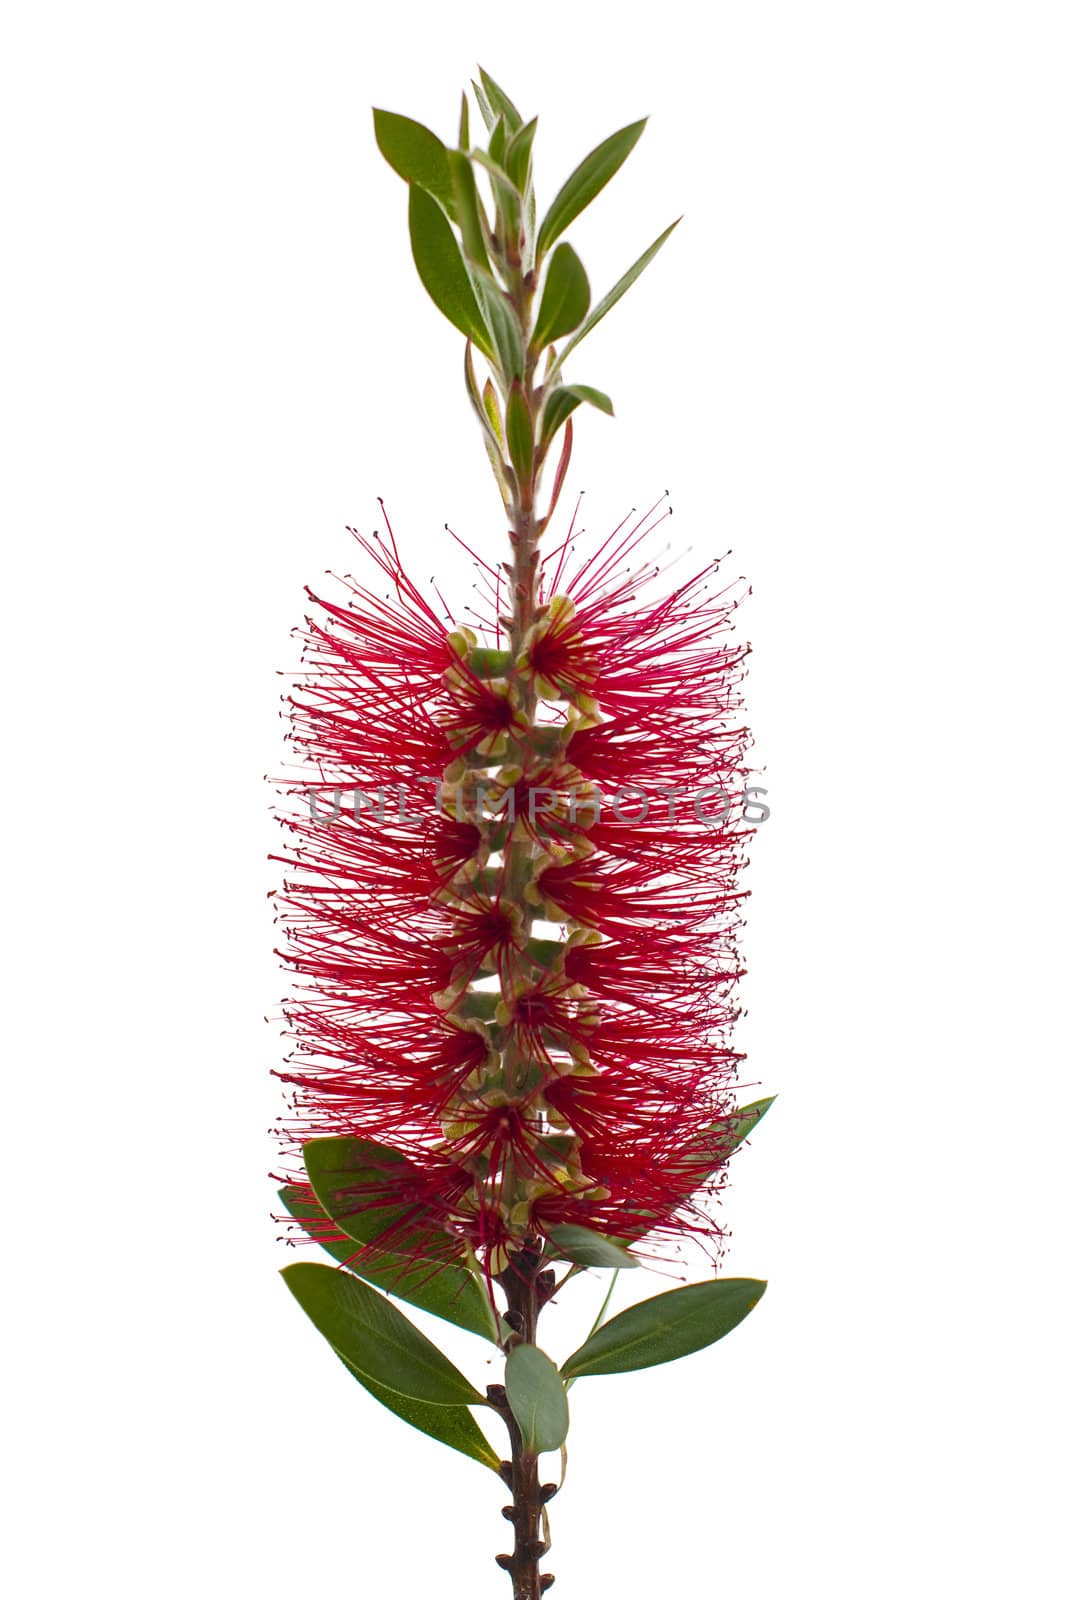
x=519 y=154
x=489 y=117
x=724 y=1136
x=416 y=155
x=563 y=467
x=500 y=178
x=591 y=176
x=528 y=259
x=566 y=298
x=373 y=1336
x=496 y=144
x=507 y=197
x=467 y=205
x=446 y=1289
x=494 y=415
x=442 y=268
x=537 y=1398
x=623 y=283
x=589 y=1249
x=463 y=125
x=664 y=1329
x=500 y=102
x=519 y=430
x=561 y=402
x=451 y=1425
x=358 y=1181
x=505 y=329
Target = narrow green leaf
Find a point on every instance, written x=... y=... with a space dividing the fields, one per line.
x=623 y=283
x=416 y=154
x=451 y=1425
x=496 y=144
x=581 y=187
x=499 y=466
x=589 y=1249
x=502 y=471
x=519 y=430
x=494 y=414
x=376 y=1338
x=507 y=197
x=519 y=154
x=708 y=1153
x=442 y=268
x=463 y=125
x=467 y=207
x=725 y=1135
x=664 y=1329
x=500 y=102
x=529 y=232
x=566 y=298
x=501 y=318
x=446 y=1289
x=561 y=402
x=500 y=178
x=563 y=467
x=537 y=1398
x=489 y=116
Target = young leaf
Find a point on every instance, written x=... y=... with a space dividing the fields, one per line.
x=519 y=430
x=500 y=102
x=529 y=232
x=500 y=178
x=496 y=144
x=563 y=467
x=375 y=1338
x=501 y=318
x=489 y=117
x=446 y=1289
x=467 y=206
x=507 y=197
x=504 y=475
x=591 y=176
x=442 y=268
x=416 y=154
x=463 y=125
x=561 y=402
x=589 y=1249
x=566 y=298
x=671 y=1325
x=537 y=1398
x=623 y=283
x=519 y=154
x=451 y=1425
x=494 y=415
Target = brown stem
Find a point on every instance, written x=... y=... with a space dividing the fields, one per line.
x=526 y=1291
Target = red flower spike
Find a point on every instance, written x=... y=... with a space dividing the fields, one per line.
x=435 y=1023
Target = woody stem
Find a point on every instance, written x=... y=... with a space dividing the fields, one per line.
x=525 y=1289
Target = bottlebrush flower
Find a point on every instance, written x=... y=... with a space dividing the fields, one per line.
x=530 y=1080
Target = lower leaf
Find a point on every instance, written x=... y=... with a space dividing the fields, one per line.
x=451 y=1425
x=370 y=1332
x=537 y=1398
x=666 y=1327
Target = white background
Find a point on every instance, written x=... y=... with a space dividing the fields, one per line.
x=850 y=365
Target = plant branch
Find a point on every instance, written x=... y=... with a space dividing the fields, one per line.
x=527 y=1290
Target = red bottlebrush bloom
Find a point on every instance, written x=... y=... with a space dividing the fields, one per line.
x=530 y=1081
